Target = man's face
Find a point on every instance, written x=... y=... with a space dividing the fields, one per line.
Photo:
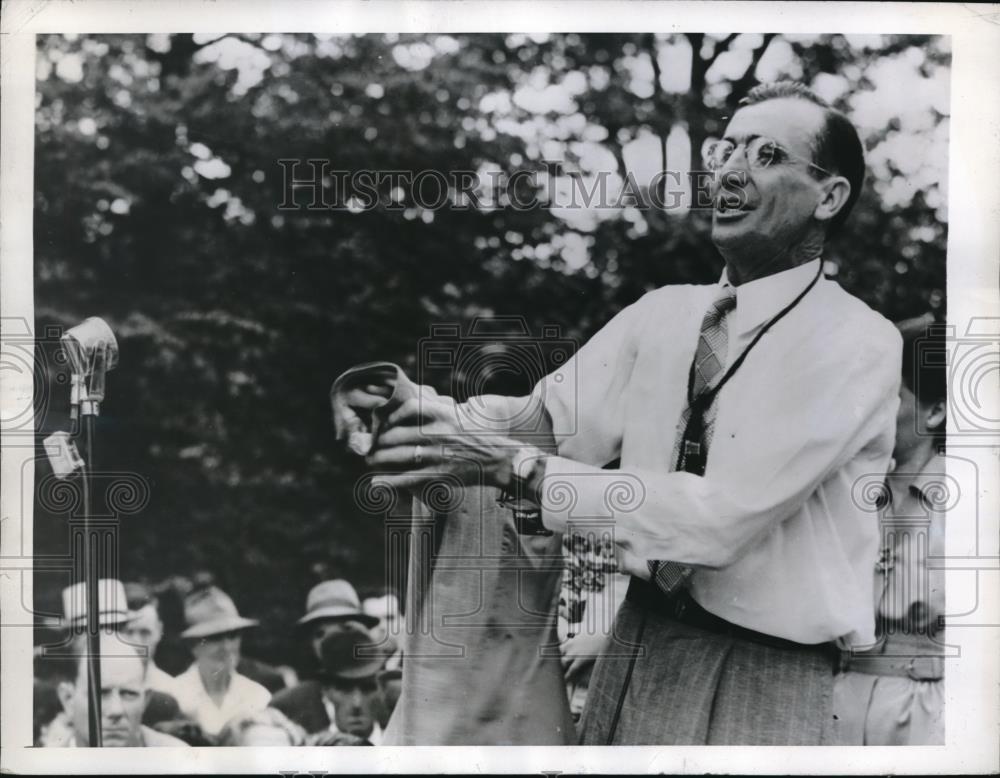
x=776 y=203
x=322 y=628
x=355 y=702
x=218 y=653
x=123 y=700
x=145 y=628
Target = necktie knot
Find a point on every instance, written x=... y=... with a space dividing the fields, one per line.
x=724 y=302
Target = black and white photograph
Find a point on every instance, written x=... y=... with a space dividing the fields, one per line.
x=380 y=375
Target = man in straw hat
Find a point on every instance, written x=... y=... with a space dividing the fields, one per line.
x=211 y=691
x=332 y=607
x=113 y=614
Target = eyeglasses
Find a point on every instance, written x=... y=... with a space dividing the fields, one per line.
x=760 y=152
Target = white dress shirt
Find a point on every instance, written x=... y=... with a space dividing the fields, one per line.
x=158 y=680
x=243 y=696
x=777 y=529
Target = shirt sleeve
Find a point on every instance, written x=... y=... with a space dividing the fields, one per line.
x=585 y=398
x=838 y=403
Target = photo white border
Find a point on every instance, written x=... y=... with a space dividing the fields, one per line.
x=972 y=710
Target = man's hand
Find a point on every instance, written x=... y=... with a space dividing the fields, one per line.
x=425 y=438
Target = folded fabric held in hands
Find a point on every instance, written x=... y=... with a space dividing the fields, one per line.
x=358 y=412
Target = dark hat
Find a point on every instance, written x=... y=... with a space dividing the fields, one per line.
x=335 y=600
x=351 y=654
x=211 y=611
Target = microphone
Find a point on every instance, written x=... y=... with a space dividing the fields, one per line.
x=92 y=351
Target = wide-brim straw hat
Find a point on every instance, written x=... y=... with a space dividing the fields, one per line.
x=211 y=611
x=335 y=599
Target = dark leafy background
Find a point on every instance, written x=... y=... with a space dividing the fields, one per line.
x=156 y=207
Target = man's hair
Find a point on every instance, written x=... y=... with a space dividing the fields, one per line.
x=837 y=147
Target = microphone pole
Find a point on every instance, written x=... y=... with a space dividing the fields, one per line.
x=92 y=350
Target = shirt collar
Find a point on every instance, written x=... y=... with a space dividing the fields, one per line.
x=759 y=300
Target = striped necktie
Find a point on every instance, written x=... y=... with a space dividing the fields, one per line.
x=709 y=362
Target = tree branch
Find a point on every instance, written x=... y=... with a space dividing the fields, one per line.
x=721 y=47
x=746 y=80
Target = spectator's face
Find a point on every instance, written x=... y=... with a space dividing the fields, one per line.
x=218 y=653
x=123 y=700
x=322 y=628
x=355 y=702
x=145 y=629
x=777 y=202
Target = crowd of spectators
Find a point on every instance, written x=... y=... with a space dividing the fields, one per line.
x=223 y=697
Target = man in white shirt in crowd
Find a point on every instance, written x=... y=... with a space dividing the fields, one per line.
x=124 y=695
x=145 y=628
x=210 y=691
x=892 y=694
x=743 y=414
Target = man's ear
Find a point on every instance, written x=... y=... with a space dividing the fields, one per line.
x=65 y=691
x=935 y=415
x=836 y=190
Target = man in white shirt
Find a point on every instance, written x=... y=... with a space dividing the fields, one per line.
x=210 y=691
x=145 y=628
x=744 y=414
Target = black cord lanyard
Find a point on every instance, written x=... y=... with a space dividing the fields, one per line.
x=692 y=456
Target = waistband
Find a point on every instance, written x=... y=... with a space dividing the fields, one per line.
x=918 y=657
x=917 y=668
x=683 y=608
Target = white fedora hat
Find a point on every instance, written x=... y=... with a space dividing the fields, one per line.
x=112 y=604
x=335 y=600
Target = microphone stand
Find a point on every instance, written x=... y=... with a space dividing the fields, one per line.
x=91 y=575
x=92 y=351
